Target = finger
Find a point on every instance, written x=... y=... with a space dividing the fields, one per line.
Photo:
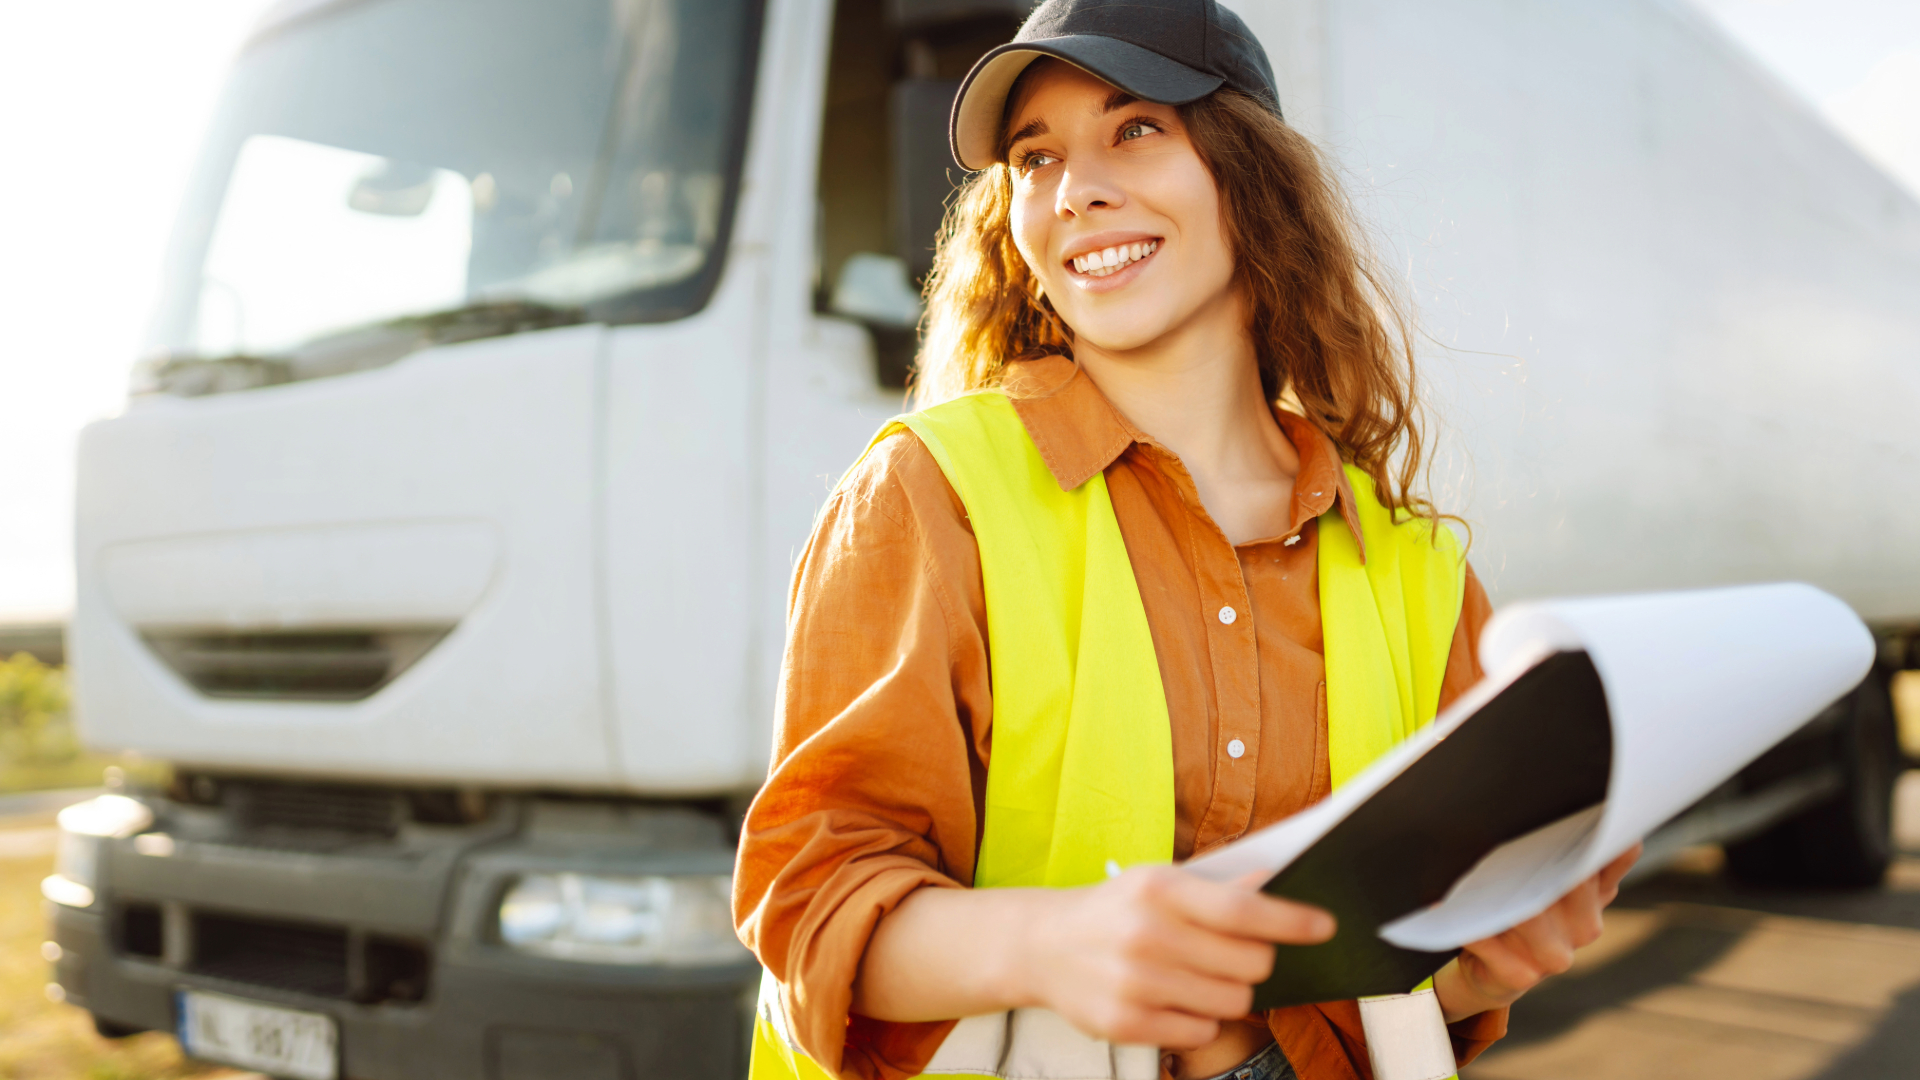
x=1497 y=973
x=1611 y=873
x=1206 y=952
x=1236 y=911
x=1172 y=988
x=1587 y=920
x=1545 y=941
x=1579 y=912
x=1166 y=1028
x=1251 y=880
x=1480 y=974
x=1582 y=923
x=1501 y=969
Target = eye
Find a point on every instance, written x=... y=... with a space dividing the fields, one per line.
x=1134 y=129
x=1033 y=159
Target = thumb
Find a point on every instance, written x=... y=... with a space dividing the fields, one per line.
x=1251 y=880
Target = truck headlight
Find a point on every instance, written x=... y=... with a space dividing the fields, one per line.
x=679 y=921
x=83 y=827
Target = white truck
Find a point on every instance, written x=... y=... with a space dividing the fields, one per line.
x=508 y=347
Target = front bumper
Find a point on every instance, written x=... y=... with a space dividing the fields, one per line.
x=485 y=1011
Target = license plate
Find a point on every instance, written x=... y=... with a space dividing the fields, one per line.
x=279 y=1042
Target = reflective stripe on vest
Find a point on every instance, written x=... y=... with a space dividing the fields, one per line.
x=1081 y=776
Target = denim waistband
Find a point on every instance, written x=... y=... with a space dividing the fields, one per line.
x=1268 y=1064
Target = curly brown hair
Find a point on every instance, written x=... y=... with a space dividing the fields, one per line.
x=1333 y=339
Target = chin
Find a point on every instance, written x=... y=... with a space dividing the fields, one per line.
x=1120 y=330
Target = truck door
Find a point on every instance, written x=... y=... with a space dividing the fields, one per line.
x=727 y=430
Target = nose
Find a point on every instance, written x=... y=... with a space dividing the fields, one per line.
x=1086 y=186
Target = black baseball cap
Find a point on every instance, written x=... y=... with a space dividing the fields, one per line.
x=1168 y=52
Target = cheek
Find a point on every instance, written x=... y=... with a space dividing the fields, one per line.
x=1200 y=218
x=1030 y=224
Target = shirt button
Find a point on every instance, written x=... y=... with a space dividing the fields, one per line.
x=1227 y=615
x=1236 y=748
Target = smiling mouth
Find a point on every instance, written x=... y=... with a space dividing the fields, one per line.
x=1114 y=259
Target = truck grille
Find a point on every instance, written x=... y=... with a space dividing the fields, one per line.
x=304 y=665
x=333 y=809
x=318 y=816
x=286 y=956
x=308 y=958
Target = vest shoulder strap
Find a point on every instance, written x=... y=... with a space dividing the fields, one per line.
x=1081 y=778
x=1387 y=625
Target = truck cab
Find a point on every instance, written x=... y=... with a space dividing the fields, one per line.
x=505 y=353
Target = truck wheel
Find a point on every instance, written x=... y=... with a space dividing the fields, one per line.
x=1845 y=841
x=110 y=1029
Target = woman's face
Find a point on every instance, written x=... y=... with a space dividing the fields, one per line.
x=1114 y=211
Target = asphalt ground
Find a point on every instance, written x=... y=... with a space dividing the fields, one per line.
x=1697 y=977
x=26 y=820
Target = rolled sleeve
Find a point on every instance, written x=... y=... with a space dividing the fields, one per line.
x=879 y=740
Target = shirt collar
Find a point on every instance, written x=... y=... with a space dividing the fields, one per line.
x=1079 y=433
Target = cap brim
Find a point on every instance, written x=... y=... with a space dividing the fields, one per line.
x=973 y=130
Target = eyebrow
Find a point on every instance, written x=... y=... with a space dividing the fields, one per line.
x=1031 y=128
x=1119 y=99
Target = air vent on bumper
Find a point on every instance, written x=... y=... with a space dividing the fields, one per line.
x=297 y=665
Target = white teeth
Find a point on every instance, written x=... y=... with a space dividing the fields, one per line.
x=1107 y=260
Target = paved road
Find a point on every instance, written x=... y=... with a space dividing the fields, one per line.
x=1699 y=979
x=33 y=804
x=26 y=820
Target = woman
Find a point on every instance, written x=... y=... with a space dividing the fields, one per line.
x=1093 y=608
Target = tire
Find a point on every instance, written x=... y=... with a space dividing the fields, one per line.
x=1845 y=841
x=109 y=1029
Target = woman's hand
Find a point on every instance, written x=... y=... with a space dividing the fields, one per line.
x=1158 y=956
x=1494 y=972
x=1155 y=956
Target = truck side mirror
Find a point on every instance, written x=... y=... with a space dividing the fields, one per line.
x=885 y=172
x=883 y=291
x=876 y=289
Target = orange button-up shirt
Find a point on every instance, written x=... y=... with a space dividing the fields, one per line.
x=885 y=725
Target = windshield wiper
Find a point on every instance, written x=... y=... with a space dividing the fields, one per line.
x=357 y=349
x=487 y=318
x=192 y=375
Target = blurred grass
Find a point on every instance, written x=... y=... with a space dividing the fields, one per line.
x=39 y=748
x=41 y=1040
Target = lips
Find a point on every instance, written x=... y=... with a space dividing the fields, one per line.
x=1113 y=259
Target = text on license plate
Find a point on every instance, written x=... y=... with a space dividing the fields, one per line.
x=280 y=1042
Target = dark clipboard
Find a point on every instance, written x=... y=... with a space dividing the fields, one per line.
x=1538 y=750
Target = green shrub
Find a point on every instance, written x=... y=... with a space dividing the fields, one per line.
x=35 y=724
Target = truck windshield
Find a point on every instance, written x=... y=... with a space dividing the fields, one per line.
x=387 y=174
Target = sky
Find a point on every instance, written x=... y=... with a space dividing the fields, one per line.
x=1858 y=61
x=102 y=105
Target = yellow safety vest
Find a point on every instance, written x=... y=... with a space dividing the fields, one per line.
x=1082 y=773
